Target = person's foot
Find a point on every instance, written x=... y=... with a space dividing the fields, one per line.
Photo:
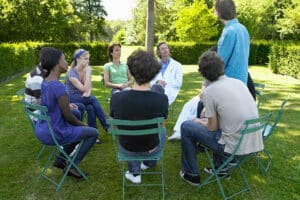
x=74 y=173
x=175 y=136
x=192 y=180
x=133 y=178
x=224 y=173
x=144 y=167
x=59 y=163
x=98 y=141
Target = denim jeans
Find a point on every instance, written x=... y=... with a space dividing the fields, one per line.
x=115 y=90
x=91 y=103
x=191 y=133
x=89 y=137
x=135 y=166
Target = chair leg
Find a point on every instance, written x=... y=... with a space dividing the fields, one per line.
x=162 y=179
x=264 y=168
x=41 y=152
x=123 y=181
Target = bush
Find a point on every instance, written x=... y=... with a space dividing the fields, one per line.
x=285 y=59
x=16 y=58
x=19 y=57
x=188 y=53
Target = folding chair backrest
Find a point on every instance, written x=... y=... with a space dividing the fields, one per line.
x=116 y=126
x=38 y=112
x=120 y=127
x=252 y=126
x=271 y=128
x=259 y=88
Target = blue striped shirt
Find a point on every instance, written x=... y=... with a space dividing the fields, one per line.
x=233 y=47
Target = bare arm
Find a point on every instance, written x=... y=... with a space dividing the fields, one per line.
x=66 y=112
x=108 y=83
x=87 y=83
x=210 y=123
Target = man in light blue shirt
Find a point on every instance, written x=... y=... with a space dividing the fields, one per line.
x=234 y=43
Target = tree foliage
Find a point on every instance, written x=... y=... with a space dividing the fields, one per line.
x=50 y=20
x=196 y=23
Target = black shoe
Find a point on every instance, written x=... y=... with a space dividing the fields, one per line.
x=59 y=163
x=192 y=180
x=200 y=148
x=224 y=173
x=98 y=141
x=73 y=172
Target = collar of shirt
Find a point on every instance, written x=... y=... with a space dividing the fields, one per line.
x=164 y=66
x=233 y=21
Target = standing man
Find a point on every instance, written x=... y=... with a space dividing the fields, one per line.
x=228 y=104
x=234 y=43
x=169 y=77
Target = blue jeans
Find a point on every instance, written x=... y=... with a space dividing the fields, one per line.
x=91 y=103
x=89 y=136
x=135 y=166
x=191 y=133
x=115 y=90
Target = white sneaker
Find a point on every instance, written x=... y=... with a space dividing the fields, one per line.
x=175 y=136
x=134 y=179
x=143 y=166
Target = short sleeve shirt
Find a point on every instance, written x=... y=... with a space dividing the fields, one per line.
x=117 y=74
x=64 y=132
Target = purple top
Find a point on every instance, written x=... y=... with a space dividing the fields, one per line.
x=64 y=132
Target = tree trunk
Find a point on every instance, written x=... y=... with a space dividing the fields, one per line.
x=150 y=26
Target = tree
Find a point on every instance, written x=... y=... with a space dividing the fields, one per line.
x=289 y=25
x=196 y=23
x=150 y=26
x=91 y=13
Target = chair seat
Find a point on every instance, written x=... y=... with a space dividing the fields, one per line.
x=125 y=157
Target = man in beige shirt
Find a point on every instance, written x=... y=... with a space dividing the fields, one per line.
x=228 y=103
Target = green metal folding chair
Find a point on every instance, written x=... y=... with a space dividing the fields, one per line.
x=116 y=130
x=20 y=93
x=32 y=122
x=251 y=126
x=266 y=134
x=259 y=91
x=40 y=113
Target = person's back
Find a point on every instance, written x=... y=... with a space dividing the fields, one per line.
x=232 y=101
x=139 y=105
x=33 y=86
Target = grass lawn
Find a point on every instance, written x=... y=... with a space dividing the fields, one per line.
x=19 y=168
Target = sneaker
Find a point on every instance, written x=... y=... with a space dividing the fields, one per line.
x=233 y=163
x=192 y=180
x=134 y=179
x=224 y=173
x=143 y=166
x=176 y=136
x=98 y=141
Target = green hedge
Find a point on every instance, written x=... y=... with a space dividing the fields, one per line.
x=19 y=57
x=285 y=59
x=188 y=53
x=16 y=58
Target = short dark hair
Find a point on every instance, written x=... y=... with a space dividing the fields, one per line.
x=111 y=49
x=49 y=58
x=226 y=9
x=143 y=66
x=211 y=66
x=157 y=48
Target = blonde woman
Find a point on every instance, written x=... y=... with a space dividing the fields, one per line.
x=79 y=87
